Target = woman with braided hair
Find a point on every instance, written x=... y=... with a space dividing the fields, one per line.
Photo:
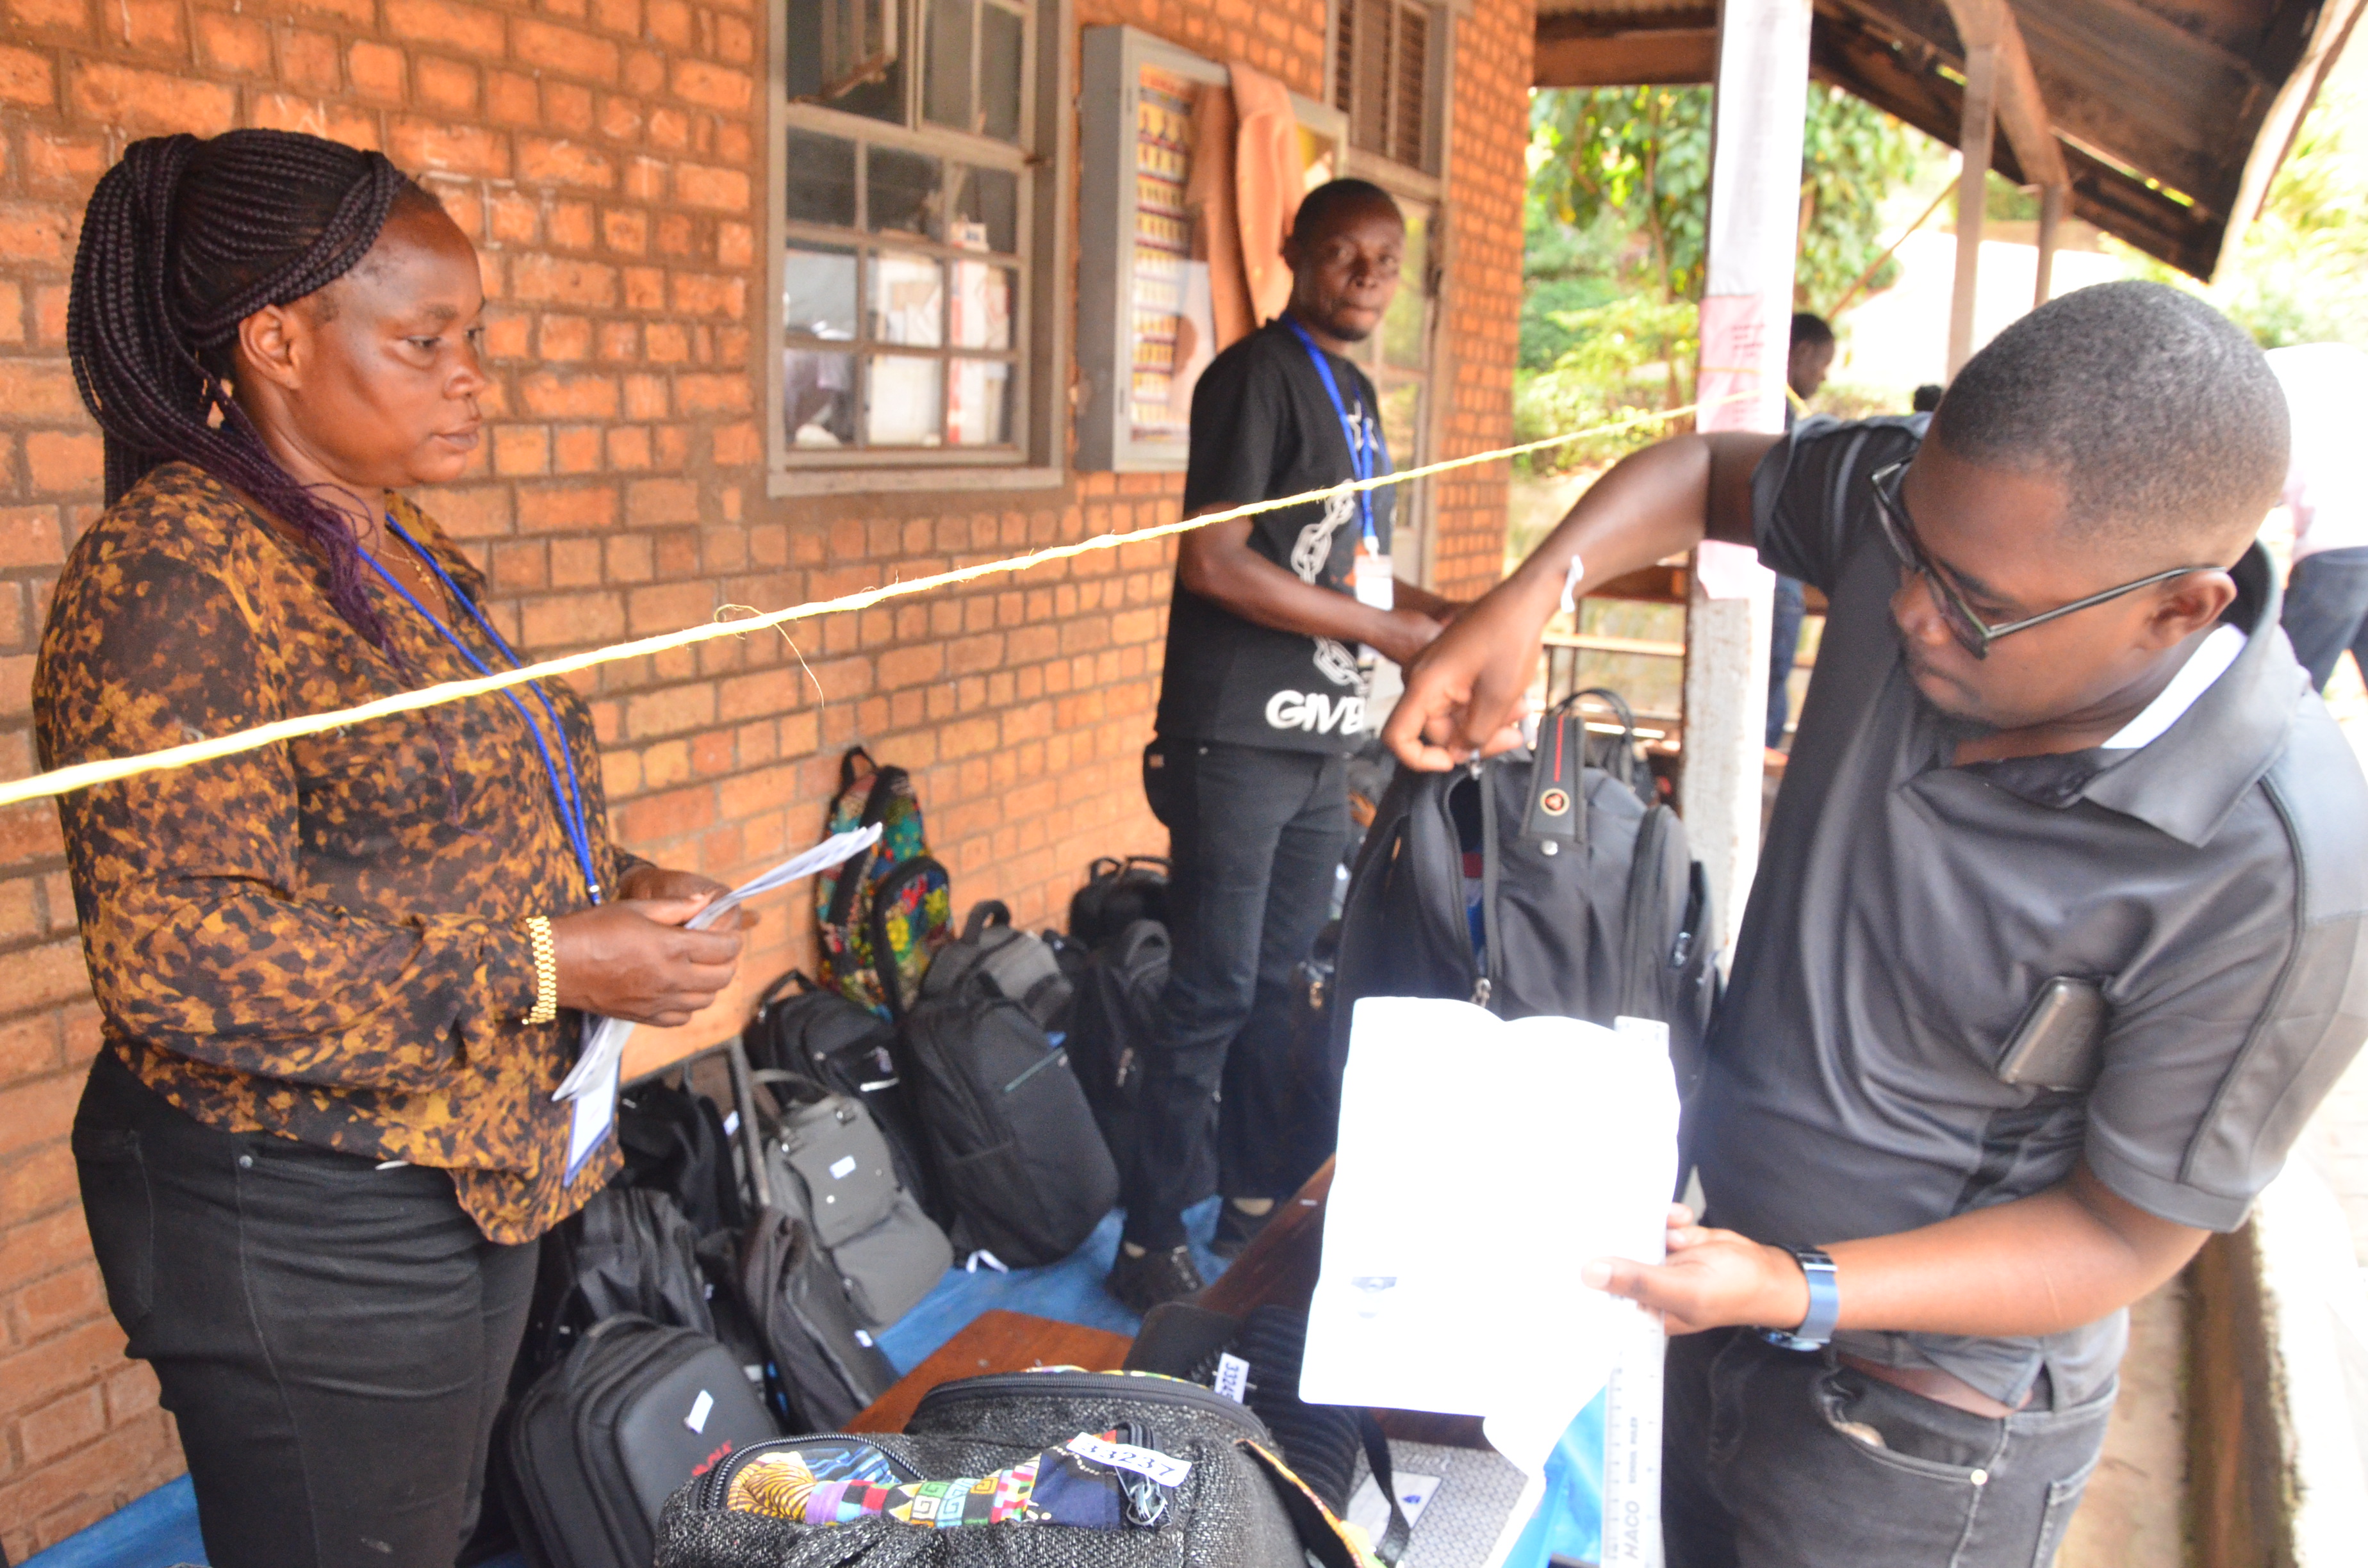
x=338 y=978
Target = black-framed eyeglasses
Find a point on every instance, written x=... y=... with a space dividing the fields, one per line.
x=1973 y=633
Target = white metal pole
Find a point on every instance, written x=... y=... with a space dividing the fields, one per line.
x=1755 y=207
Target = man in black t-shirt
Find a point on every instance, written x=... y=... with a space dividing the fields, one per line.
x=1260 y=705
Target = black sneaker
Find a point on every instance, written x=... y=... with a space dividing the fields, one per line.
x=1144 y=1282
x=1236 y=1229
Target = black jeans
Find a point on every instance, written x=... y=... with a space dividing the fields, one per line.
x=1256 y=835
x=2327 y=611
x=1762 y=1469
x=333 y=1339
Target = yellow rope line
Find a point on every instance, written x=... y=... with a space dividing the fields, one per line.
x=83 y=775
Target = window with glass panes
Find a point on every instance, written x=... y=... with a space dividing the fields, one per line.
x=905 y=194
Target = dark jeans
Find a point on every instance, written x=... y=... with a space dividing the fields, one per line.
x=1783 y=646
x=333 y=1339
x=1255 y=835
x=1761 y=1470
x=2327 y=611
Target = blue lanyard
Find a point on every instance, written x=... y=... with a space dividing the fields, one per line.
x=1362 y=452
x=571 y=794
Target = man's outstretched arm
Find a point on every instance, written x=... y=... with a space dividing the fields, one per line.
x=2039 y=1265
x=1462 y=694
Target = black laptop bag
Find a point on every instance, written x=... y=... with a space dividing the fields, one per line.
x=635 y=1411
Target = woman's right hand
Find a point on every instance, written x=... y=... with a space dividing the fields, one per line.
x=632 y=959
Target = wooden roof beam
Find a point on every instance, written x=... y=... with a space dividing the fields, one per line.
x=2021 y=112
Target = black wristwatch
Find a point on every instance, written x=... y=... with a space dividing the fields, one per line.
x=1825 y=1304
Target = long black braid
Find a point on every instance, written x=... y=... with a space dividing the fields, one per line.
x=182 y=241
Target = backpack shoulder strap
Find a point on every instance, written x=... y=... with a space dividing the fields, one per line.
x=887 y=783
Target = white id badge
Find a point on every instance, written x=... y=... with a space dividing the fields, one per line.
x=590 y=1116
x=1375 y=584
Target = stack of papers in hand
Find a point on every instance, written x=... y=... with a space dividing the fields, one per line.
x=592 y=1082
x=604 y=1039
x=1481 y=1164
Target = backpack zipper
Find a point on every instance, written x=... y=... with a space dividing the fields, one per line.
x=1134 y=1388
x=1491 y=878
x=715 y=1486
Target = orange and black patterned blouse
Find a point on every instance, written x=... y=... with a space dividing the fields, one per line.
x=322 y=939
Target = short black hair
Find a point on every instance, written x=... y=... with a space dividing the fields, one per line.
x=1926 y=398
x=1319 y=206
x=2160 y=417
x=1808 y=326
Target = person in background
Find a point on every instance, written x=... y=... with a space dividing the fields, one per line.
x=339 y=977
x=1261 y=704
x=2327 y=496
x=1925 y=399
x=2060 y=934
x=1806 y=366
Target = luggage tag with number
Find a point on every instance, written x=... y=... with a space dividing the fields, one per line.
x=1556 y=814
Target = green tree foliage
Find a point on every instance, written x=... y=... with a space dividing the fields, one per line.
x=1852 y=156
x=1617 y=222
x=2300 y=274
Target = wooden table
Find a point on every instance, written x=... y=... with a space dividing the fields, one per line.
x=1279 y=1267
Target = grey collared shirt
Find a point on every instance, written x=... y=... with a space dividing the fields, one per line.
x=2214 y=882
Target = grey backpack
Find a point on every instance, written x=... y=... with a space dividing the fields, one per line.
x=1197 y=1476
x=826 y=1164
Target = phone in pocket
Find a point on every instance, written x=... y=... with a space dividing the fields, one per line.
x=2058 y=1041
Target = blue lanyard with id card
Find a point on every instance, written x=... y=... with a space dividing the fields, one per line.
x=1374 y=585
x=592 y=1112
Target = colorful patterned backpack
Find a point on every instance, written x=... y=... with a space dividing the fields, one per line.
x=885 y=913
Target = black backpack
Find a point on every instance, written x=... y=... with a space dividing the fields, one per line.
x=594 y=1450
x=1113 y=1027
x=1590 y=905
x=1117 y=893
x=1011 y=963
x=628 y=1252
x=824 y=1367
x=673 y=1142
x=801 y=1028
x=1018 y=1159
x=1236 y=1506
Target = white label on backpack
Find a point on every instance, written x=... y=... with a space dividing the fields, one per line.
x=697 y=1419
x=842 y=1167
x=1234 y=1378
x=1165 y=1468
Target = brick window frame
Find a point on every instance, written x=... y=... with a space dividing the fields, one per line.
x=1037 y=160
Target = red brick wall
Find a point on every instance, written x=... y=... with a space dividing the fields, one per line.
x=607 y=156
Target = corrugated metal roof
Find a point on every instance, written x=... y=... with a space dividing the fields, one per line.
x=2172 y=116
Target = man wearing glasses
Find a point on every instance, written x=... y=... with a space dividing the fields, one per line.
x=2057 y=938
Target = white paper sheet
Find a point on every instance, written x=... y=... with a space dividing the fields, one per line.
x=604 y=1039
x=1461 y=1215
